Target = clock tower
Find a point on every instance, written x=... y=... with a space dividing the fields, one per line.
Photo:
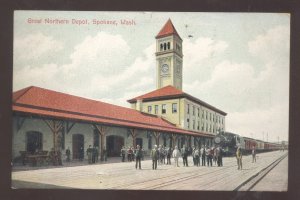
x=168 y=57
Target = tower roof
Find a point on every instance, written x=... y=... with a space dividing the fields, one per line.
x=168 y=29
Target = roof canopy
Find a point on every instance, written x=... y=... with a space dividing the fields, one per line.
x=48 y=103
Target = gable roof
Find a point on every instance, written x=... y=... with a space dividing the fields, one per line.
x=167 y=29
x=48 y=103
x=170 y=92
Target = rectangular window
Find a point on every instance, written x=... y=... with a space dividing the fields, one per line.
x=188 y=109
x=206 y=127
x=209 y=128
x=194 y=110
x=174 y=108
x=210 y=116
x=194 y=124
x=206 y=115
x=202 y=127
x=163 y=109
x=188 y=123
x=202 y=114
x=198 y=127
x=156 y=109
x=213 y=118
x=149 y=109
x=198 y=112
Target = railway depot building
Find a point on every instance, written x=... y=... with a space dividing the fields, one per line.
x=44 y=119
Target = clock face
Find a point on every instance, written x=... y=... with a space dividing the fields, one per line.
x=165 y=68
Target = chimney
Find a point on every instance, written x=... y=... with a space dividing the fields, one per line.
x=139 y=105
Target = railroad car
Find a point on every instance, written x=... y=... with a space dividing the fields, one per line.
x=230 y=141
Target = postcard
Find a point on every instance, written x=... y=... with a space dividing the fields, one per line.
x=150 y=100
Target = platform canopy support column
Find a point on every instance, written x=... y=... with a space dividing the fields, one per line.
x=133 y=134
x=156 y=135
x=102 y=130
x=174 y=138
x=55 y=127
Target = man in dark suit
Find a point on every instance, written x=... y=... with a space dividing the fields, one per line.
x=138 y=156
x=154 y=156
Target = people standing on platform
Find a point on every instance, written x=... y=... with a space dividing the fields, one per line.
x=123 y=153
x=214 y=149
x=129 y=152
x=138 y=157
x=197 y=156
x=105 y=154
x=239 y=158
x=253 y=154
x=81 y=154
x=176 y=155
x=162 y=154
x=133 y=154
x=154 y=156
x=194 y=156
x=93 y=154
x=169 y=154
x=96 y=154
x=184 y=154
x=143 y=153
x=219 y=156
x=68 y=154
x=203 y=155
x=89 y=153
x=209 y=156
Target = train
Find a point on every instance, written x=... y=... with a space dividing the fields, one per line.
x=229 y=142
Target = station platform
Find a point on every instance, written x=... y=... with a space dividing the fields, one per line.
x=118 y=175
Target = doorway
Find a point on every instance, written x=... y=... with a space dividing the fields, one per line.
x=78 y=146
x=34 y=141
x=114 y=145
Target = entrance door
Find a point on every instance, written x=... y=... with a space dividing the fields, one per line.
x=34 y=141
x=78 y=146
x=114 y=145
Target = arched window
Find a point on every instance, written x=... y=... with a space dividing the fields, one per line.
x=161 y=47
x=165 y=46
x=34 y=141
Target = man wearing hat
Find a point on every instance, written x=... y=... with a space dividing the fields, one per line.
x=138 y=156
x=239 y=158
x=154 y=156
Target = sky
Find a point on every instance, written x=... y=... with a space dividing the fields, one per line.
x=237 y=62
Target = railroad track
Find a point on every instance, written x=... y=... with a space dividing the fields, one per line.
x=256 y=178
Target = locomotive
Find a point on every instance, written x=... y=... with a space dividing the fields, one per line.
x=231 y=141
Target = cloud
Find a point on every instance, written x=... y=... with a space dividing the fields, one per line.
x=271 y=46
x=271 y=120
x=99 y=69
x=103 y=54
x=195 y=51
x=38 y=76
x=35 y=45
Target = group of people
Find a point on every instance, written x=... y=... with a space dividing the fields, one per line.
x=130 y=152
x=204 y=154
x=93 y=154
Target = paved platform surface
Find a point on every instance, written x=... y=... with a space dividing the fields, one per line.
x=275 y=180
x=123 y=176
